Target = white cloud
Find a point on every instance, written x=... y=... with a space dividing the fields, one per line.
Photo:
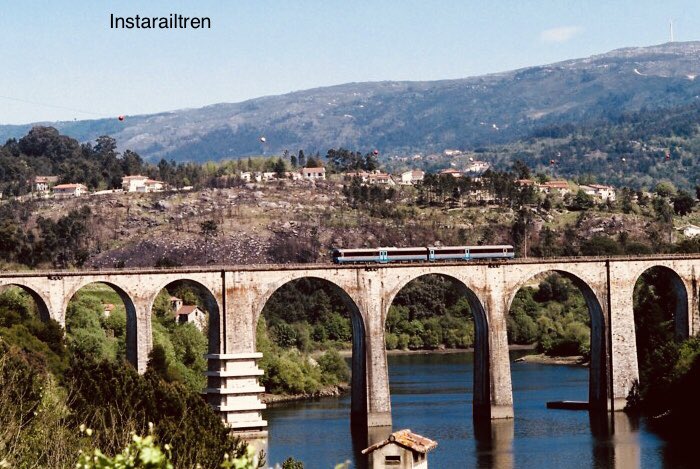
x=560 y=34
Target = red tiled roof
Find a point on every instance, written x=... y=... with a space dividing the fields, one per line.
x=557 y=184
x=186 y=310
x=68 y=186
x=407 y=439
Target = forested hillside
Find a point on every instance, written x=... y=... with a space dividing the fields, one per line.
x=635 y=150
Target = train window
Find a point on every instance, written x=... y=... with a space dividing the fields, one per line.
x=450 y=251
x=359 y=254
x=409 y=253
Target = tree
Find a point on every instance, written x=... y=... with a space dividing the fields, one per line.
x=520 y=231
x=521 y=170
x=280 y=168
x=209 y=229
x=582 y=201
x=548 y=242
x=665 y=189
x=683 y=203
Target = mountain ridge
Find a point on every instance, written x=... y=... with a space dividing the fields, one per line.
x=411 y=116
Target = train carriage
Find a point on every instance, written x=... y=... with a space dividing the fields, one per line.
x=422 y=254
x=381 y=255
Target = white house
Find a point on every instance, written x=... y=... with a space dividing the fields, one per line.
x=690 y=231
x=363 y=175
x=381 y=178
x=605 y=192
x=601 y=192
x=191 y=314
x=477 y=167
x=69 y=190
x=314 y=173
x=414 y=176
x=561 y=187
x=139 y=183
x=152 y=185
x=134 y=183
x=403 y=449
x=44 y=183
x=188 y=313
x=108 y=309
x=451 y=172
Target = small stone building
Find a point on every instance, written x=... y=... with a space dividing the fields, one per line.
x=314 y=173
x=188 y=313
x=402 y=450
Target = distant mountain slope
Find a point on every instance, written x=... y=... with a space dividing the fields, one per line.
x=413 y=116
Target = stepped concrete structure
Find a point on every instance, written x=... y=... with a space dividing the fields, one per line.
x=237 y=295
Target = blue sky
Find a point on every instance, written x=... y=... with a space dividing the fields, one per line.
x=62 y=57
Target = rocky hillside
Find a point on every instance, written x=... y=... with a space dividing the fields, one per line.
x=413 y=116
x=289 y=222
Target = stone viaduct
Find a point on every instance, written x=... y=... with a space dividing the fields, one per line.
x=237 y=295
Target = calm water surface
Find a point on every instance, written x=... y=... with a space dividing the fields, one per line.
x=432 y=393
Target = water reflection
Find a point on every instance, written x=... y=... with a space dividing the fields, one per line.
x=494 y=443
x=615 y=440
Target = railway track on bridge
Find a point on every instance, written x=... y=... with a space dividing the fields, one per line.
x=330 y=266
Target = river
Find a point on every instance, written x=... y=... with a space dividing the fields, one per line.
x=432 y=393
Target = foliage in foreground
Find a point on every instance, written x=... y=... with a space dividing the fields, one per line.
x=39 y=417
x=144 y=453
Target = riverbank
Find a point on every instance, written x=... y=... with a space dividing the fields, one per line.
x=348 y=353
x=543 y=359
x=328 y=391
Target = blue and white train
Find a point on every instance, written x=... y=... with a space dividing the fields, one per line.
x=422 y=254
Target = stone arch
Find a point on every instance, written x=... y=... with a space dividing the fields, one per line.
x=482 y=378
x=598 y=368
x=41 y=303
x=358 y=385
x=132 y=329
x=214 y=308
x=681 y=314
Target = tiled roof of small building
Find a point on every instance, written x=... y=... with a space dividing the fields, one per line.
x=407 y=439
x=186 y=309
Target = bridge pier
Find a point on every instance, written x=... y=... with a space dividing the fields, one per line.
x=140 y=343
x=373 y=307
x=493 y=399
x=623 y=346
x=233 y=389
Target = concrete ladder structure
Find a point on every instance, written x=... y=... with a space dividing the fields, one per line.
x=237 y=295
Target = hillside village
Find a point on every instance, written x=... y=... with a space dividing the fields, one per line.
x=47 y=186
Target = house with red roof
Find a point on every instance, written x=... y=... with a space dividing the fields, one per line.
x=69 y=190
